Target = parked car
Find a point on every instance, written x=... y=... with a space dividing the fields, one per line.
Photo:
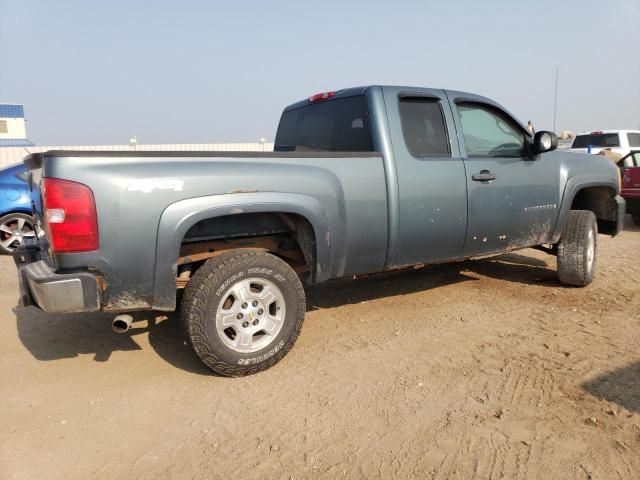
x=630 y=166
x=362 y=180
x=16 y=222
x=619 y=141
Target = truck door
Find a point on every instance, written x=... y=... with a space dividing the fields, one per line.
x=513 y=199
x=432 y=197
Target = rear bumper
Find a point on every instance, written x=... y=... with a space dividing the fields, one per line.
x=41 y=286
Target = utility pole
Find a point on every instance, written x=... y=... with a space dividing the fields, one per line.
x=555 y=101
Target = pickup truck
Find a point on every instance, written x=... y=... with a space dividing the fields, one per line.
x=630 y=171
x=362 y=180
x=618 y=141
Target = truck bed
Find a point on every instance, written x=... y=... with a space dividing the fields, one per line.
x=147 y=201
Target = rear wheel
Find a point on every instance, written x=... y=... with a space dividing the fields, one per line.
x=577 y=249
x=243 y=311
x=14 y=228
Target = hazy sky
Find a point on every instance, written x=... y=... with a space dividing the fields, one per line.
x=94 y=72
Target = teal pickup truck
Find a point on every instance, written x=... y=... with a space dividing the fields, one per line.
x=362 y=180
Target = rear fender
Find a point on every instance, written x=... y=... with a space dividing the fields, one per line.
x=179 y=217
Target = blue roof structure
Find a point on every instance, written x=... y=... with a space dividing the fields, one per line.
x=11 y=111
x=9 y=142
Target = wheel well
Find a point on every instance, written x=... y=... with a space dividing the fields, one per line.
x=601 y=201
x=13 y=212
x=288 y=236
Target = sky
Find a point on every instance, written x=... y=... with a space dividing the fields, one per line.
x=198 y=71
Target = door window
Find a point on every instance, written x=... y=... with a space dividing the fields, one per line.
x=488 y=132
x=423 y=127
x=631 y=160
x=634 y=139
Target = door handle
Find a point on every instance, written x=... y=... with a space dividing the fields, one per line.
x=485 y=176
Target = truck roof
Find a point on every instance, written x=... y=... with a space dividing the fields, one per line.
x=349 y=92
x=345 y=92
x=607 y=131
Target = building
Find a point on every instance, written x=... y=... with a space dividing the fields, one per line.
x=13 y=130
x=13 y=155
x=14 y=145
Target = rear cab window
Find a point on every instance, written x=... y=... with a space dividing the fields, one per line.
x=336 y=125
x=423 y=127
x=596 y=139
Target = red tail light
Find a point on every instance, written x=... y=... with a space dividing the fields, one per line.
x=70 y=216
x=321 y=96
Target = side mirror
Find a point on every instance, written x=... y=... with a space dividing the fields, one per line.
x=544 y=142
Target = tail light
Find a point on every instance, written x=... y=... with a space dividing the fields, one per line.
x=318 y=97
x=69 y=216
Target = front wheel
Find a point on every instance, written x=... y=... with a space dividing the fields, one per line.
x=243 y=311
x=577 y=249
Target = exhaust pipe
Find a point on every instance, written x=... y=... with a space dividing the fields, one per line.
x=122 y=323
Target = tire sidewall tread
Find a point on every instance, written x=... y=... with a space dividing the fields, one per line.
x=573 y=247
x=208 y=287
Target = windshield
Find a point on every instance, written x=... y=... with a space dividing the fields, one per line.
x=596 y=140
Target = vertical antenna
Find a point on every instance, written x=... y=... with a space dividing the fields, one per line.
x=555 y=100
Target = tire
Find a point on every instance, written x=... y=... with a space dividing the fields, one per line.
x=14 y=227
x=577 y=250
x=243 y=311
x=636 y=218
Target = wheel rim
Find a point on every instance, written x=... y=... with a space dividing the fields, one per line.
x=591 y=249
x=13 y=231
x=250 y=315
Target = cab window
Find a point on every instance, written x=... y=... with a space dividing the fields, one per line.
x=338 y=125
x=489 y=132
x=423 y=127
x=634 y=139
x=631 y=160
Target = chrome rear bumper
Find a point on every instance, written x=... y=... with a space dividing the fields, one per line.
x=41 y=286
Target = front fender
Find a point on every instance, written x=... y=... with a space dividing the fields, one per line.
x=180 y=216
x=571 y=189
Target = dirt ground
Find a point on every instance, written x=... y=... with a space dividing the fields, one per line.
x=481 y=369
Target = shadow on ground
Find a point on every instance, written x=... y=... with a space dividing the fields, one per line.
x=511 y=267
x=629 y=226
x=55 y=336
x=621 y=386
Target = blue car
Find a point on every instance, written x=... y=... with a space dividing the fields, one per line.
x=16 y=222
